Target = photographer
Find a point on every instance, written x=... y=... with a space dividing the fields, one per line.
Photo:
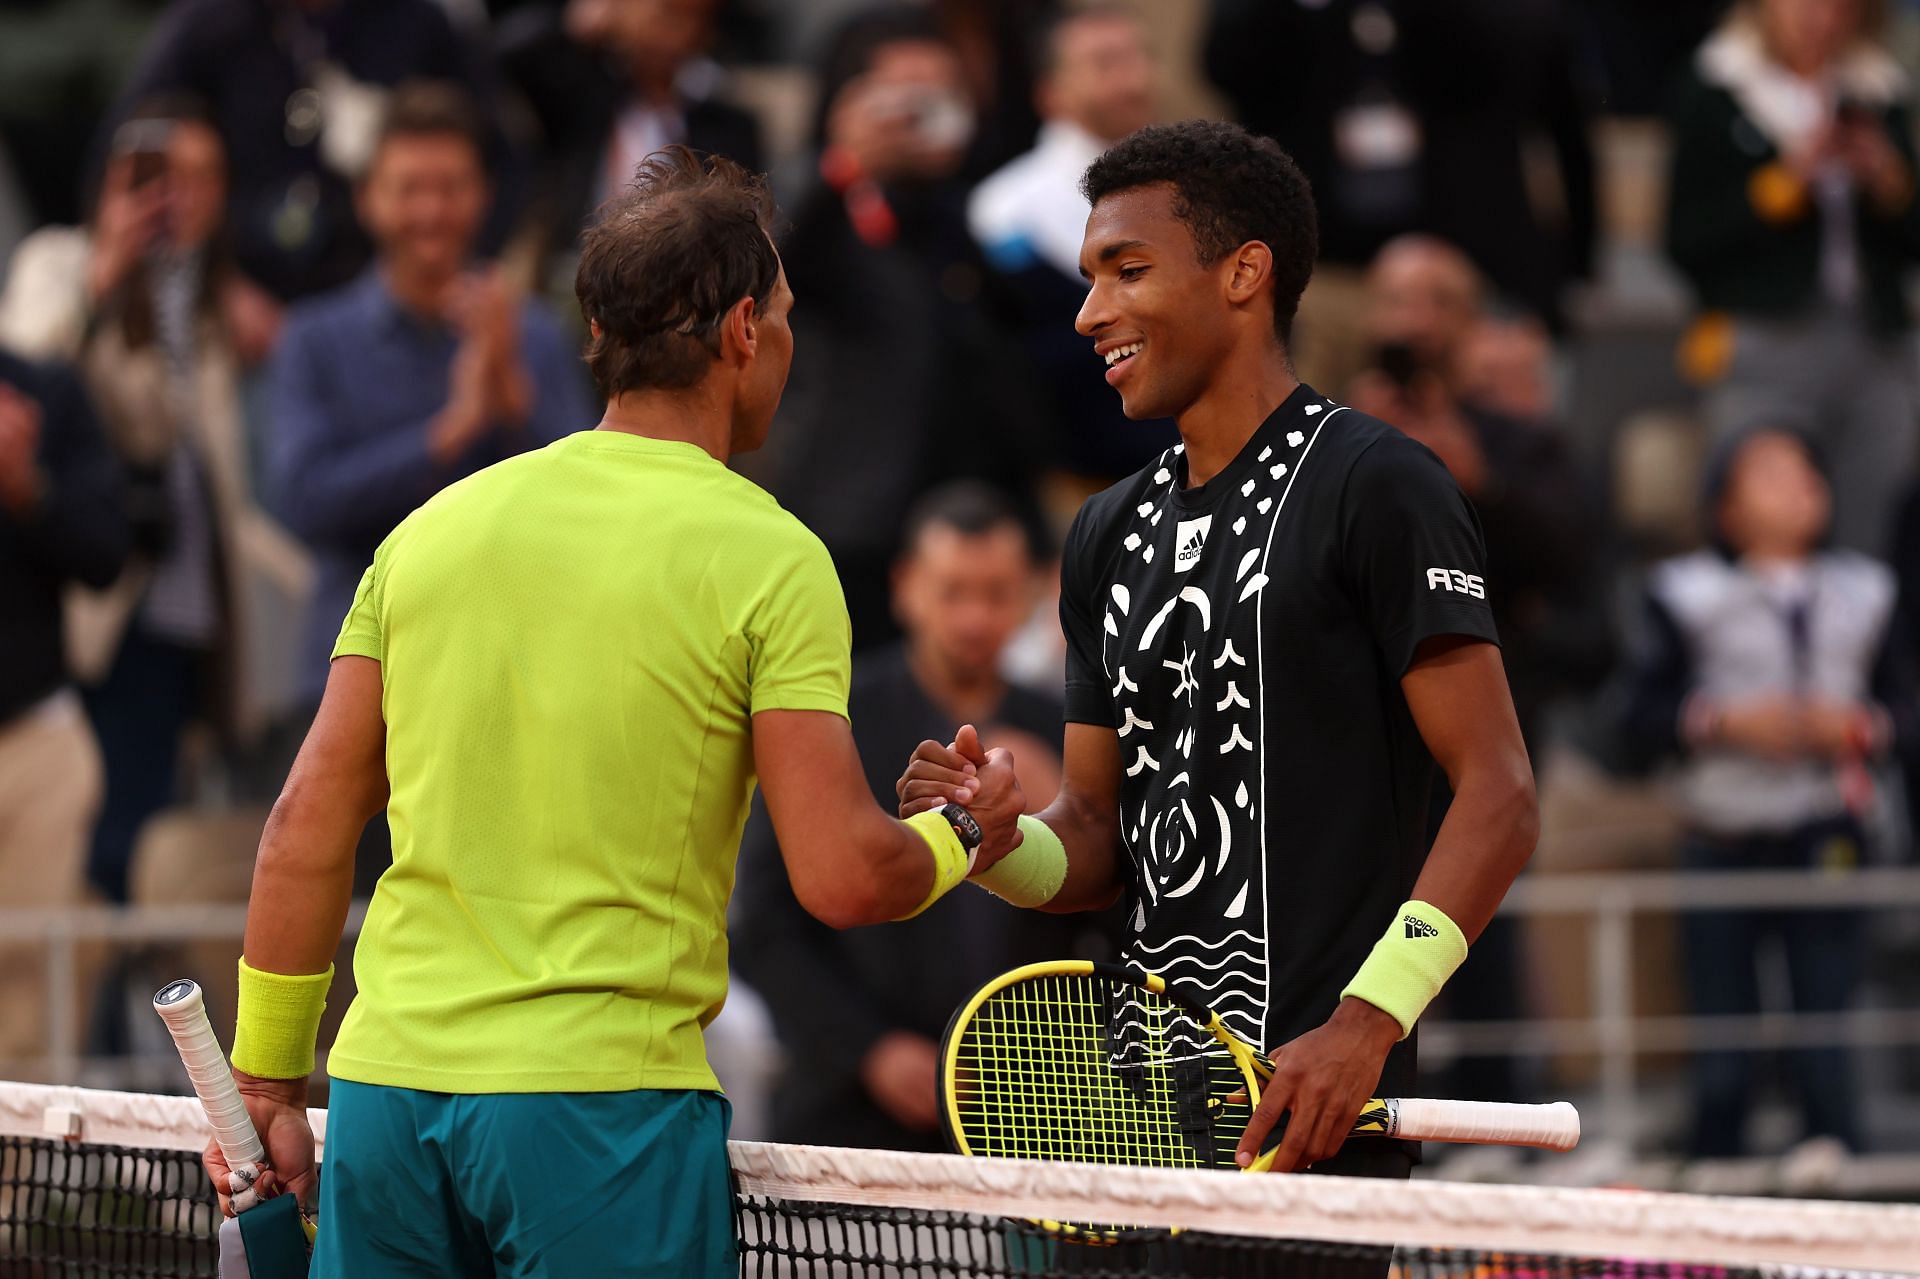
x=908 y=378
x=1792 y=213
x=148 y=303
x=1426 y=318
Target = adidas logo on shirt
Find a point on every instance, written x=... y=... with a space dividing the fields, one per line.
x=1189 y=539
x=1419 y=927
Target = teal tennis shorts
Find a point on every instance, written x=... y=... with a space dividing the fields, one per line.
x=524 y=1185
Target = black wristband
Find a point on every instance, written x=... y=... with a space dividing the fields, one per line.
x=964 y=826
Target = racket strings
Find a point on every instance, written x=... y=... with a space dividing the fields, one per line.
x=1090 y=1068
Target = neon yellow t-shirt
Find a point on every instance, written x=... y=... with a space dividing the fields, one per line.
x=572 y=646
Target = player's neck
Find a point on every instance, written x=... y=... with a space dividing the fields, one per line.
x=689 y=416
x=965 y=695
x=1244 y=392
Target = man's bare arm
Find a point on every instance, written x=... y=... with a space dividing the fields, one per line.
x=1456 y=689
x=302 y=885
x=850 y=863
x=303 y=875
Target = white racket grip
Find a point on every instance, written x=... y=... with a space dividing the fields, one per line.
x=1554 y=1126
x=181 y=1006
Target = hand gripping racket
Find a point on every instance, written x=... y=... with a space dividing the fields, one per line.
x=267 y=1238
x=1075 y=1060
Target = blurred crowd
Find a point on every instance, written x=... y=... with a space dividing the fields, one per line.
x=276 y=271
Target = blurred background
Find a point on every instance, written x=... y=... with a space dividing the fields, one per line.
x=277 y=270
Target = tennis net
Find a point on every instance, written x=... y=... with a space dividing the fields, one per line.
x=101 y=1184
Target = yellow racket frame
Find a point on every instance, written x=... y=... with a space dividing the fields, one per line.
x=1255 y=1069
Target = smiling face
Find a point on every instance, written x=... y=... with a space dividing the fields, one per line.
x=1160 y=319
x=423 y=199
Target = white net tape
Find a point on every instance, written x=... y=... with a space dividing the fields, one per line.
x=1616 y=1224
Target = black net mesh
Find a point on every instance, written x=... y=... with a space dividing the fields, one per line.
x=781 y=1238
x=87 y=1211
x=77 y=1211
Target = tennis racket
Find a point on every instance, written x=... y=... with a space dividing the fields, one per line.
x=1097 y=1063
x=267 y=1238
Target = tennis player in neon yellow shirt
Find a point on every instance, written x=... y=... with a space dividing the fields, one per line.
x=561 y=677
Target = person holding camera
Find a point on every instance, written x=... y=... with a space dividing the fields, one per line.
x=903 y=328
x=148 y=304
x=1792 y=213
x=419 y=373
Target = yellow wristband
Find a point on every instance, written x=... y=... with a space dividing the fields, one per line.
x=279 y=1017
x=1031 y=874
x=1409 y=965
x=951 y=860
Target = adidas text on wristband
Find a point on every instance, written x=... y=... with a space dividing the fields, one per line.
x=1407 y=967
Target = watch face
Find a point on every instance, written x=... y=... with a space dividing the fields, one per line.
x=963 y=825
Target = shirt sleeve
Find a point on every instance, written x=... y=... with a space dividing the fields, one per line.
x=1089 y=699
x=1414 y=557
x=801 y=639
x=360 y=632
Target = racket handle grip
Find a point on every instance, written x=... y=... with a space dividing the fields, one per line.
x=1554 y=1126
x=182 y=1007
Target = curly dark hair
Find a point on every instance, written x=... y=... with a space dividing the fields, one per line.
x=664 y=263
x=1229 y=187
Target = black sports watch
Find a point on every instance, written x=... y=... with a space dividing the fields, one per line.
x=964 y=826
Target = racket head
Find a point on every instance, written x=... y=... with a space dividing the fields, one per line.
x=1095 y=1063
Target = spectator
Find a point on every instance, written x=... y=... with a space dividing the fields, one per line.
x=60 y=523
x=1505 y=365
x=609 y=82
x=861 y=1012
x=1772 y=668
x=1425 y=315
x=1792 y=212
x=1096 y=86
x=296 y=87
x=991 y=38
x=1414 y=117
x=162 y=647
x=420 y=372
x=907 y=378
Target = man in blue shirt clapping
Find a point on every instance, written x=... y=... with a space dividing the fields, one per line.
x=420 y=372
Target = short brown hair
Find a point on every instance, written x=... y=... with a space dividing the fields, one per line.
x=664 y=263
x=431 y=108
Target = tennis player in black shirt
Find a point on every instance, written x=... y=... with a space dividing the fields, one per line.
x=1274 y=632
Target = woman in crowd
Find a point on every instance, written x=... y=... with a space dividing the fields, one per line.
x=143 y=303
x=1793 y=215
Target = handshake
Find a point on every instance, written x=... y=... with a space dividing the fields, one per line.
x=979 y=780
